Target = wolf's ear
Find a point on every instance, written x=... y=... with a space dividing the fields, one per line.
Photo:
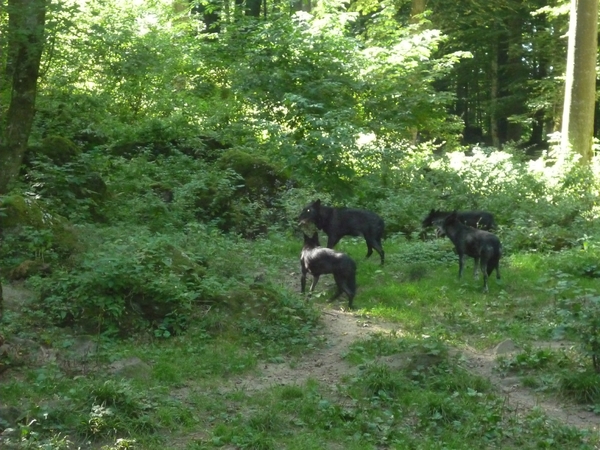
x=318 y=202
x=315 y=235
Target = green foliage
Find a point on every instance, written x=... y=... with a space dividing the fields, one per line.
x=71 y=187
x=115 y=407
x=168 y=192
x=580 y=317
x=132 y=278
x=582 y=386
x=31 y=232
x=31 y=242
x=261 y=178
x=57 y=149
x=532 y=359
x=272 y=317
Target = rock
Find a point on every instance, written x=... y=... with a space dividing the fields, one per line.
x=506 y=346
x=28 y=268
x=131 y=368
x=9 y=415
x=84 y=347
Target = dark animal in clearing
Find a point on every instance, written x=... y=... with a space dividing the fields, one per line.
x=481 y=245
x=318 y=261
x=339 y=222
x=476 y=219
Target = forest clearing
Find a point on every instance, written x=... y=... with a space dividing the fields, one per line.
x=173 y=172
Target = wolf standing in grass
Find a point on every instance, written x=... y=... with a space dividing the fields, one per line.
x=318 y=261
x=476 y=219
x=339 y=222
x=481 y=245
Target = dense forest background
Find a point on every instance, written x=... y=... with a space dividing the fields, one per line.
x=153 y=151
x=148 y=118
x=164 y=122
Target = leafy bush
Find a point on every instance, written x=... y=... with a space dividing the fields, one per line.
x=581 y=318
x=581 y=386
x=117 y=407
x=530 y=360
x=32 y=232
x=72 y=188
x=57 y=149
x=168 y=192
x=135 y=277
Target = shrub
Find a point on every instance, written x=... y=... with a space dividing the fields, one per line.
x=126 y=284
x=57 y=149
x=30 y=232
x=72 y=188
x=579 y=316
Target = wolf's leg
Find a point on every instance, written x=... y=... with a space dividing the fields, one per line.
x=304 y=271
x=349 y=293
x=339 y=282
x=478 y=261
x=314 y=282
x=485 y=281
x=332 y=240
x=461 y=258
x=375 y=244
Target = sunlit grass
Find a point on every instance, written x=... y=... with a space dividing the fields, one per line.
x=418 y=288
x=423 y=399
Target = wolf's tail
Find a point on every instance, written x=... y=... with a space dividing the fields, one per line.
x=351 y=278
x=351 y=283
x=494 y=261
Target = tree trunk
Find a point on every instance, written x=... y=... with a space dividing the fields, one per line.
x=300 y=5
x=253 y=8
x=27 y=20
x=511 y=77
x=417 y=7
x=494 y=104
x=580 y=84
x=518 y=74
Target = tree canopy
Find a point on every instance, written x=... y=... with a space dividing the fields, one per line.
x=307 y=83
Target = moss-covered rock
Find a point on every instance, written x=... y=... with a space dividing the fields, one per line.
x=28 y=268
x=17 y=210
x=58 y=149
x=20 y=216
x=260 y=175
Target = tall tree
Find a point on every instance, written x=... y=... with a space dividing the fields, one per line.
x=417 y=7
x=580 y=84
x=26 y=27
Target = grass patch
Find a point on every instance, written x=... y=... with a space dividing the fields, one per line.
x=407 y=389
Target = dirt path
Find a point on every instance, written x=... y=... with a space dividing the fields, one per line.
x=341 y=329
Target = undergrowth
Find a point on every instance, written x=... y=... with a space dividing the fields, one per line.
x=192 y=303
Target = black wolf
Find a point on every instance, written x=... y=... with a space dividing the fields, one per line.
x=318 y=261
x=476 y=219
x=481 y=245
x=339 y=222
